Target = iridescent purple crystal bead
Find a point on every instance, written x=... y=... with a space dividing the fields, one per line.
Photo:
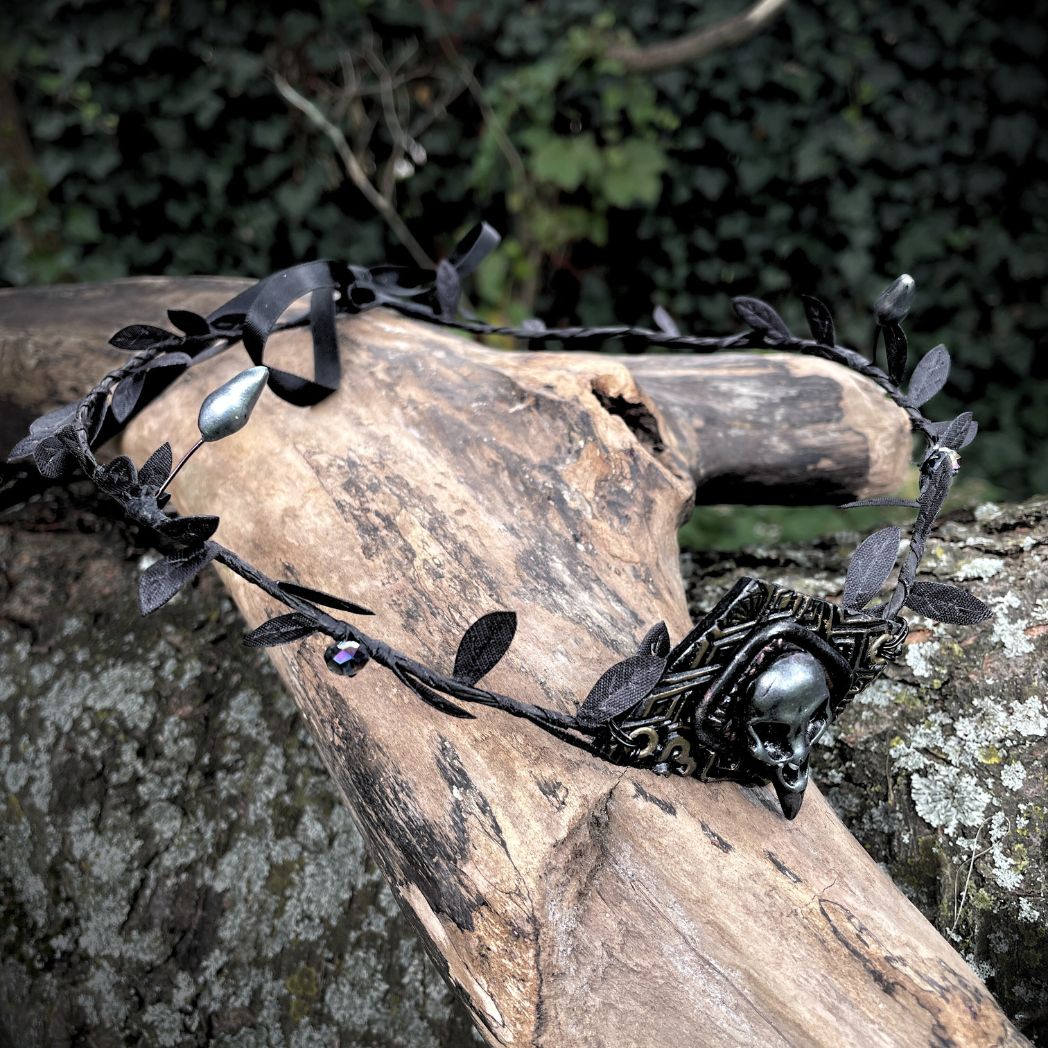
x=346 y=658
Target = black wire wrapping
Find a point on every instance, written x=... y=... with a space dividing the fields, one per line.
x=64 y=438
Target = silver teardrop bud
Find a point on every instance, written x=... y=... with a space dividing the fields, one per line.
x=227 y=410
x=895 y=300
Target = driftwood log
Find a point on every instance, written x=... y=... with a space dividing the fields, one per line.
x=569 y=901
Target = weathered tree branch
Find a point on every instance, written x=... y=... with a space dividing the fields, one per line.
x=342 y=961
x=746 y=427
x=666 y=54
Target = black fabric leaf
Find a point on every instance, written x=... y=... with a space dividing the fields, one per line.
x=281 y=630
x=96 y=418
x=936 y=477
x=50 y=424
x=958 y=433
x=126 y=395
x=483 y=644
x=870 y=566
x=59 y=424
x=664 y=322
x=936 y=600
x=938 y=429
x=191 y=323
x=929 y=376
x=23 y=449
x=167 y=576
x=326 y=600
x=156 y=468
x=449 y=288
x=136 y=337
x=169 y=360
x=760 y=316
x=117 y=476
x=190 y=530
x=895 y=350
x=53 y=457
x=882 y=500
x=620 y=688
x=437 y=701
x=656 y=642
x=820 y=321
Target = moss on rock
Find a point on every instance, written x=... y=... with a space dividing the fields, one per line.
x=175 y=866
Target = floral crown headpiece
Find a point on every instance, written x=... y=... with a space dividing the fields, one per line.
x=742 y=697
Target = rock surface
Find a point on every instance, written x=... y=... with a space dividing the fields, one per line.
x=176 y=868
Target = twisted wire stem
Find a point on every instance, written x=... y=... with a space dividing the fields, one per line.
x=565 y=726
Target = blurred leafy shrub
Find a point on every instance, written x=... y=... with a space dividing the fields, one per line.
x=849 y=142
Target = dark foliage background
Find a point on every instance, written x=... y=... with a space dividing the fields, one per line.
x=843 y=145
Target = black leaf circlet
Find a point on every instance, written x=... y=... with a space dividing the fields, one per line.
x=696 y=709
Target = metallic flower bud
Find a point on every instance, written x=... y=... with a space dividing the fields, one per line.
x=227 y=410
x=895 y=300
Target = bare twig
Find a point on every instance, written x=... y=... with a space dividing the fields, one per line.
x=491 y=118
x=354 y=169
x=402 y=142
x=693 y=46
x=976 y=854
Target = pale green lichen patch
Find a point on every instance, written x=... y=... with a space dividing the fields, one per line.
x=948 y=798
x=1013 y=776
x=987 y=511
x=175 y=866
x=922 y=659
x=979 y=568
x=1009 y=625
x=940 y=768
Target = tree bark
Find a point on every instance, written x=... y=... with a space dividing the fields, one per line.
x=569 y=901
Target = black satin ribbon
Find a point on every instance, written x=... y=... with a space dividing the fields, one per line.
x=257 y=310
x=474 y=247
x=396 y=285
x=333 y=287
